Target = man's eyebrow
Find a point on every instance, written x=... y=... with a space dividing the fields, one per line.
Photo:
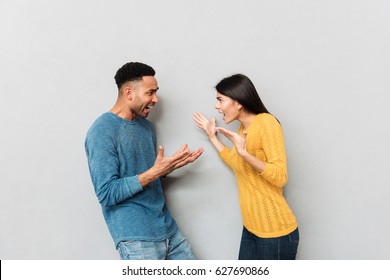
x=153 y=89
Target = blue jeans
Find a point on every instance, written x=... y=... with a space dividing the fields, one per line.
x=280 y=248
x=174 y=248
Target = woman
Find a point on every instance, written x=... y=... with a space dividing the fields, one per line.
x=258 y=160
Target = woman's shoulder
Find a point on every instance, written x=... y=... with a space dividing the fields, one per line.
x=266 y=118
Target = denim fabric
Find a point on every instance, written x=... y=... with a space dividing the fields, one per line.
x=173 y=248
x=280 y=248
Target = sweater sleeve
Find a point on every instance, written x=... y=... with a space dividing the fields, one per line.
x=224 y=155
x=103 y=161
x=272 y=139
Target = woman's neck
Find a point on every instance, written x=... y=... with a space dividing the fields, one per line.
x=246 y=119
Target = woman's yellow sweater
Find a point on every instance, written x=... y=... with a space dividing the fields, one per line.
x=264 y=210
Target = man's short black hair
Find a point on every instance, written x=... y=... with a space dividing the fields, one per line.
x=132 y=71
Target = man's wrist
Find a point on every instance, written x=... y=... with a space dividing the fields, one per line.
x=147 y=177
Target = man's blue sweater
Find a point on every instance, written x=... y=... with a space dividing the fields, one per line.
x=117 y=151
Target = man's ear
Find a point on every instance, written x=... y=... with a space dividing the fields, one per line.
x=128 y=92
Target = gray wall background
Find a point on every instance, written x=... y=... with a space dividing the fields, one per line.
x=322 y=67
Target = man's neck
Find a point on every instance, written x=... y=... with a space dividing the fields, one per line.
x=123 y=112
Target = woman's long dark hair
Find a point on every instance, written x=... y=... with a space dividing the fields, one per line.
x=241 y=89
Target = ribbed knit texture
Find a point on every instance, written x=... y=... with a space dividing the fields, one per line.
x=264 y=210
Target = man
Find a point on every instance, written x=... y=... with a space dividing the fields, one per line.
x=126 y=172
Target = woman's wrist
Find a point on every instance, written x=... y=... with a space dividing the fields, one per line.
x=212 y=136
x=245 y=155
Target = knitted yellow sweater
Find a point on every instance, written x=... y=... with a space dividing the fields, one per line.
x=264 y=210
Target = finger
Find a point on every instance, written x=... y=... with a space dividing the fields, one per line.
x=200 y=122
x=195 y=117
x=221 y=130
x=183 y=148
x=198 y=117
x=197 y=154
x=190 y=154
x=160 y=153
x=196 y=114
x=225 y=131
x=244 y=141
x=213 y=121
x=179 y=162
x=191 y=157
x=180 y=155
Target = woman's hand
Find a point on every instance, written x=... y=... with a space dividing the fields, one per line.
x=238 y=141
x=203 y=123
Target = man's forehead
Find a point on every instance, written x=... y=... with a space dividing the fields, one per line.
x=150 y=82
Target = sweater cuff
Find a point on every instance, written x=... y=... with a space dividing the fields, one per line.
x=134 y=185
x=271 y=175
x=224 y=153
x=267 y=173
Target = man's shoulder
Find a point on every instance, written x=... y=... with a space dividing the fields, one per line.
x=106 y=123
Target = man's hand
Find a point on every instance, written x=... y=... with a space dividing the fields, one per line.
x=165 y=165
x=193 y=155
x=182 y=157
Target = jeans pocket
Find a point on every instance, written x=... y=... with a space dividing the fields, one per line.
x=294 y=237
x=127 y=242
x=124 y=248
